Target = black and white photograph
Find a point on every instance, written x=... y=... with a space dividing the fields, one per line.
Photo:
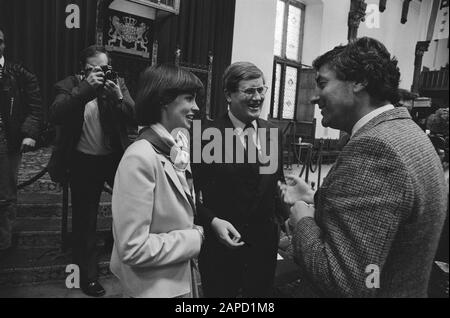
x=225 y=154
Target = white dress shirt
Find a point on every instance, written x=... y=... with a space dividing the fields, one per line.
x=92 y=141
x=364 y=120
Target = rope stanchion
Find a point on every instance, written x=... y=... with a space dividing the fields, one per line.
x=65 y=213
x=308 y=163
x=33 y=179
x=290 y=128
x=65 y=205
x=318 y=157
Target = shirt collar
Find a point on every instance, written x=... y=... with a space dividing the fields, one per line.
x=2 y=61
x=239 y=125
x=374 y=113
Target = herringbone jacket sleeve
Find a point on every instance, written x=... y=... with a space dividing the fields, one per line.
x=358 y=211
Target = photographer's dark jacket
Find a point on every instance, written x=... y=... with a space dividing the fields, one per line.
x=67 y=112
x=20 y=105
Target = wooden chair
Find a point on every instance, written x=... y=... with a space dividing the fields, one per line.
x=204 y=73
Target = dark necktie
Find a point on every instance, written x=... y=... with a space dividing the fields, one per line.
x=250 y=144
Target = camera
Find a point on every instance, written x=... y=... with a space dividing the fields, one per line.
x=109 y=73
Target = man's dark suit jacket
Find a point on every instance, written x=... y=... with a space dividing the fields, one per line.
x=239 y=194
x=67 y=112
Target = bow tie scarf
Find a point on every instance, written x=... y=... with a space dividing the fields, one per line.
x=179 y=156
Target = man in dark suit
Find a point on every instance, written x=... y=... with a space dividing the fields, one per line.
x=373 y=227
x=92 y=111
x=239 y=206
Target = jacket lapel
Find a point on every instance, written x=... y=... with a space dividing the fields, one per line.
x=264 y=179
x=170 y=172
x=190 y=182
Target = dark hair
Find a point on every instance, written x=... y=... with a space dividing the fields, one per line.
x=438 y=122
x=160 y=85
x=240 y=71
x=365 y=60
x=91 y=51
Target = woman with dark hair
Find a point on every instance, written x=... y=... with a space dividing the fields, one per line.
x=153 y=200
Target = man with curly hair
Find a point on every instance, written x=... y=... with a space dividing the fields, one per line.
x=373 y=227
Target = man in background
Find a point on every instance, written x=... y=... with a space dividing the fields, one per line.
x=20 y=125
x=92 y=111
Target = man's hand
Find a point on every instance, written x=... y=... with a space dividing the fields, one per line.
x=226 y=233
x=300 y=210
x=200 y=231
x=28 y=144
x=96 y=77
x=296 y=190
x=113 y=90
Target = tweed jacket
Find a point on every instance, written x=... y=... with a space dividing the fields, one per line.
x=380 y=210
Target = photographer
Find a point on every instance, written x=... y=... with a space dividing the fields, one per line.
x=92 y=111
x=20 y=125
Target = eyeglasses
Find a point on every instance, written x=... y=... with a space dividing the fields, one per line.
x=252 y=91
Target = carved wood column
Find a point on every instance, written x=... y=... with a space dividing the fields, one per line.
x=177 y=56
x=382 y=5
x=155 y=53
x=421 y=48
x=102 y=8
x=355 y=16
x=208 y=91
x=405 y=10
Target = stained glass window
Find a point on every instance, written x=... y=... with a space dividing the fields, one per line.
x=293 y=33
x=287 y=58
x=290 y=93
x=276 y=97
x=279 y=28
x=169 y=3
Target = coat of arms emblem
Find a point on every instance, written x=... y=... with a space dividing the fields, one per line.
x=128 y=36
